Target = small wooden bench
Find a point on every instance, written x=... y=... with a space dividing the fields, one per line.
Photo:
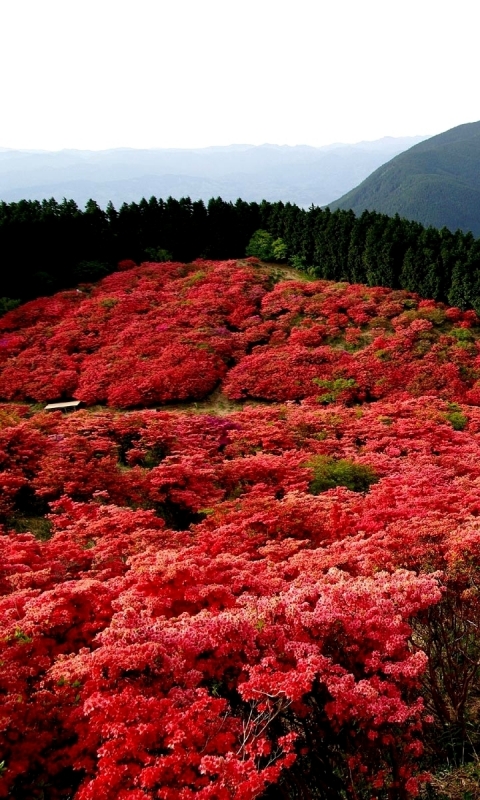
x=70 y=405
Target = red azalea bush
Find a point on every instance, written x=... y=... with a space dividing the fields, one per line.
x=282 y=598
x=151 y=334
x=160 y=333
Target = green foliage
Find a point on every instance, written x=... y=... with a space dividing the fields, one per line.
x=154 y=456
x=434 y=315
x=46 y=247
x=276 y=275
x=40 y=527
x=329 y=472
x=87 y=271
x=109 y=302
x=279 y=250
x=456 y=418
x=195 y=277
x=261 y=245
x=297 y=261
x=383 y=355
x=334 y=388
x=8 y=304
x=158 y=254
x=462 y=334
x=21 y=637
x=436 y=182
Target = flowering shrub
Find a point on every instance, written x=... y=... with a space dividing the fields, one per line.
x=166 y=332
x=279 y=599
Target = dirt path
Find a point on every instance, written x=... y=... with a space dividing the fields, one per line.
x=283 y=271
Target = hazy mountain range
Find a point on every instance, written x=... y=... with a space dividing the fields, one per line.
x=299 y=174
x=436 y=182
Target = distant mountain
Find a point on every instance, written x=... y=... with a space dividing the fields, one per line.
x=300 y=174
x=436 y=182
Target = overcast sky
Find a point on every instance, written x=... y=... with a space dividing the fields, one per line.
x=96 y=74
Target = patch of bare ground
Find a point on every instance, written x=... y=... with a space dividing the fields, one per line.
x=459 y=783
x=216 y=403
x=279 y=272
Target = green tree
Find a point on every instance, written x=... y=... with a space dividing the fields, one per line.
x=279 y=249
x=261 y=245
x=86 y=271
x=465 y=285
x=158 y=254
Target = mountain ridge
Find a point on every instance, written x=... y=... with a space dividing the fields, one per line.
x=299 y=174
x=435 y=182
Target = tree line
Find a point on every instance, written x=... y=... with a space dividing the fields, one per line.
x=48 y=246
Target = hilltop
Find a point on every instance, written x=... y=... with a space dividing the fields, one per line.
x=249 y=566
x=167 y=332
x=435 y=182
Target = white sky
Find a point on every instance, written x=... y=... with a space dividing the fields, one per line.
x=96 y=74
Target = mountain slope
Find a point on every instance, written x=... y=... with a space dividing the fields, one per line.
x=273 y=595
x=435 y=182
x=301 y=174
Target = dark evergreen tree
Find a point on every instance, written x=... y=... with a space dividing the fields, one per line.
x=46 y=246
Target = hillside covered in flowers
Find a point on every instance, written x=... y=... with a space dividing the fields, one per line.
x=250 y=566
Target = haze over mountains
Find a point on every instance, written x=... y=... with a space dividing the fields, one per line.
x=300 y=174
x=436 y=182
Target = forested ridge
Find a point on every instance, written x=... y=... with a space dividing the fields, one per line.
x=47 y=246
x=436 y=182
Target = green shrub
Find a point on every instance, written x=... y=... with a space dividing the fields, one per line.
x=109 y=302
x=7 y=304
x=334 y=388
x=297 y=261
x=462 y=334
x=456 y=417
x=457 y=420
x=435 y=315
x=329 y=472
x=40 y=527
